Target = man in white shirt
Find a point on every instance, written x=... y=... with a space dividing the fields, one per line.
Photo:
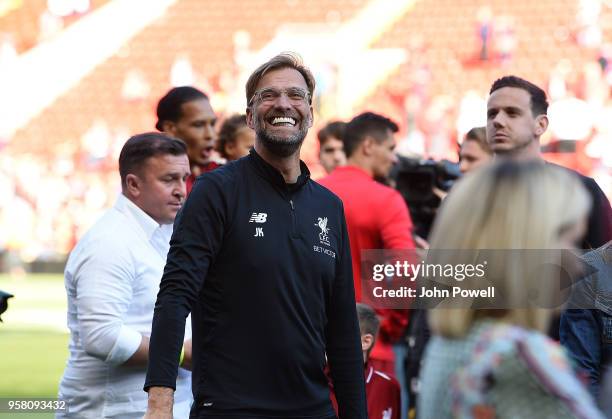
x=112 y=278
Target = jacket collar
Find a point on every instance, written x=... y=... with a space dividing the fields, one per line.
x=270 y=173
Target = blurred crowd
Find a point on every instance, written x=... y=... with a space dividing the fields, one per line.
x=47 y=203
x=55 y=196
x=392 y=170
x=48 y=200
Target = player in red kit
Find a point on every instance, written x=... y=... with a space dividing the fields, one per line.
x=185 y=113
x=382 y=391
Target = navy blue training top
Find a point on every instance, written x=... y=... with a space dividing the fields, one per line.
x=265 y=269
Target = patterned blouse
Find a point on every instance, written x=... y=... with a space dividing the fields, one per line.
x=500 y=371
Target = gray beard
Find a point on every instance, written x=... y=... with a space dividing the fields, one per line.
x=281 y=147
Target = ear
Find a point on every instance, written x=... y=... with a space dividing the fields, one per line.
x=249 y=118
x=229 y=147
x=367 y=341
x=311 y=117
x=541 y=124
x=169 y=127
x=133 y=185
x=367 y=146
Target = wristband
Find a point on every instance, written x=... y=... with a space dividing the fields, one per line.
x=182 y=357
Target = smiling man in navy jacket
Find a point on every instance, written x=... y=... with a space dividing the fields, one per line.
x=260 y=256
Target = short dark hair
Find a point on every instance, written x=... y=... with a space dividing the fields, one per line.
x=538 y=102
x=333 y=129
x=367 y=123
x=368 y=320
x=169 y=106
x=283 y=60
x=141 y=147
x=228 y=131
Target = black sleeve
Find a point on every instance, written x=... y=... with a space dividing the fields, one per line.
x=599 y=230
x=343 y=339
x=197 y=237
x=580 y=333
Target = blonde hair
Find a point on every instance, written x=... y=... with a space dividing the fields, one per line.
x=479 y=136
x=507 y=205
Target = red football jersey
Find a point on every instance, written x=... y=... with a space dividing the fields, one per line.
x=376 y=218
x=382 y=392
x=201 y=169
x=383 y=395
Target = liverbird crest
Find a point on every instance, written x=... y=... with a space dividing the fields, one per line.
x=322 y=224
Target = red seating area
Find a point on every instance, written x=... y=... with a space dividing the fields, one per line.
x=439 y=36
x=204 y=34
x=442 y=35
x=55 y=146
x=450 y=33
x=22 y=23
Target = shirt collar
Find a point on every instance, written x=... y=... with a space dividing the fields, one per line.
x=352 y=170
x=207 y=167
x=147 y=224
x=368 y=370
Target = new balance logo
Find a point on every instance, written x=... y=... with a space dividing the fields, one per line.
x=259 y=232
x=258 y=217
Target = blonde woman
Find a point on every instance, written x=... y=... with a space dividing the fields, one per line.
x=497 y=362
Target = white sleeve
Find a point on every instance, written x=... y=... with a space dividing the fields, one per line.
x=103 y=281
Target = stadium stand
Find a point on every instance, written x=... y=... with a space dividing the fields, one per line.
x=23 y=21
x=74 y=141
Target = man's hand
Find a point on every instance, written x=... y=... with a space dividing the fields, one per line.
x=161 y=400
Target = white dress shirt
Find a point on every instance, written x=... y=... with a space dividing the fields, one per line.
x=112 y=278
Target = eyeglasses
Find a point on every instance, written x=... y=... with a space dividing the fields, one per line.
x=269 y=95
